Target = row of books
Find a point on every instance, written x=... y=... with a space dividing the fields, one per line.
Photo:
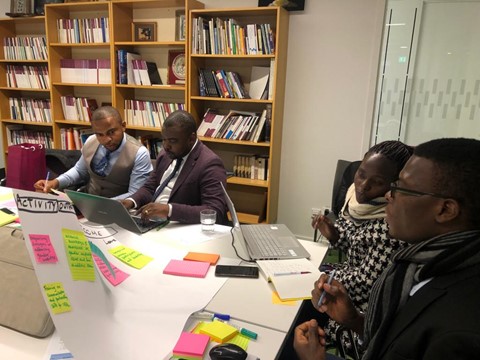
x=85 y=71
x=236 y=125
x=253 y=167
x=16 y=134
x=78 y=108
x=27 y=109
x=153 y=145
x=28 y=76
x=149 y=113
x=135 y=71
x=227 y=37
x=79 y=31
x=74 y=138
x=221 y=83
x=25 y=48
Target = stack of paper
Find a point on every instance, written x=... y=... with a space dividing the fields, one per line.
x=293 y=279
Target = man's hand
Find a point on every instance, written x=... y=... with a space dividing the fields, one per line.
x=154 y=211
x=45 y=186
x=309 y=341
x=337 y=304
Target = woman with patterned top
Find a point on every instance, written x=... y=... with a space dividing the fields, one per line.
x=361 y=231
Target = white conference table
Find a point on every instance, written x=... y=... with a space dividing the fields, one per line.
x=247 y=301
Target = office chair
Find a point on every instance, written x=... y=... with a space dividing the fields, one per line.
x=344 y=176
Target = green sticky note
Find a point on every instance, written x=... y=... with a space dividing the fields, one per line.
x=57 y=298
x=130 y=257
x=79 y=255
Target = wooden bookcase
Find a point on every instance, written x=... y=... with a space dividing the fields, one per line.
x=255 y=200
x=20 y=28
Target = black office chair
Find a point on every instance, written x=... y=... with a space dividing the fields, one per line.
x=344 y=176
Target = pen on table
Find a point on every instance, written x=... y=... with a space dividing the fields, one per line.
x=330 y=278
x=291 y=273
x=245 y=332
x=46 y=181
x=203 y=316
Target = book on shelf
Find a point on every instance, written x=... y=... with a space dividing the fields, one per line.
x=176 y=67
x=292 y=278
x=259 y=82
x=85 y=71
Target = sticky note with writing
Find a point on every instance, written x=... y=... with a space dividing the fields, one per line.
x=79 y=255
x=118 y=275
x=191 y=345
x=43 y=248
x=57 y=298
x=130 y=257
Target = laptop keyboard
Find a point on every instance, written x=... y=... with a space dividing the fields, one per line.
x=267 y=244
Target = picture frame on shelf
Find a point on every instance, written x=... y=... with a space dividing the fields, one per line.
x=176 y=67
x=180 y=26
x=144 y=31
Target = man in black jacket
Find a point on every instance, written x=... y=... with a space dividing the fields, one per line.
x=426 y=304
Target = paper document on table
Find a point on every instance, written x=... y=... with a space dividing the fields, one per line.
x=293 y=278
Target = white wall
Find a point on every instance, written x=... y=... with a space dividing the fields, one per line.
x=331 y=75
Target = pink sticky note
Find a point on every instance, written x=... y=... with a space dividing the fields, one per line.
x=43 y=249
x=192 y=345
x=120 y=275
x=187 y=268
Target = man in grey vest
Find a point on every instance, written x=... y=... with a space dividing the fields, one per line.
x=113 y=164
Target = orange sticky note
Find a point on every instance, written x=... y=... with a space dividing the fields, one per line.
x=206 y=257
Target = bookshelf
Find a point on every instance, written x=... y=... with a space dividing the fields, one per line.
x=115 y=19
x=30 y=120
x=255 y=200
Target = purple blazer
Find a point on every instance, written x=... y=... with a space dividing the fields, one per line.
x=197 y=186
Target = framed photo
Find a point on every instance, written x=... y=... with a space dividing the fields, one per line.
x=144 y=31
x=39 y=5
x=180 y=32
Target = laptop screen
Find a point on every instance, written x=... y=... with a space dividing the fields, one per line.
x=231 y=208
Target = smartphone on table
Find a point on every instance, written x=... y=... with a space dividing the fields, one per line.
x=236 y=271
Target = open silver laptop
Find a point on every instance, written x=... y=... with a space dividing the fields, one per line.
x=106 y=211
x=266 y=241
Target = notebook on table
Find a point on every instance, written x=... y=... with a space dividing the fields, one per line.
x=106 y=211
x=266 y=241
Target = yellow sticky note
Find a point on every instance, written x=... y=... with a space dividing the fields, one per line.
x=219 y=331
x=79 y=255
x=240 y=340
x=130 y=257
x=277 y=300
x=57 y=298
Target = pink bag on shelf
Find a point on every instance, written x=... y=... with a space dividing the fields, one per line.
x=25 y=165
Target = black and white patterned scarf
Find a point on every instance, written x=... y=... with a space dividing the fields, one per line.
x=434 y=257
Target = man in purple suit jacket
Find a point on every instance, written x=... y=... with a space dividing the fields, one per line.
x=186 y=178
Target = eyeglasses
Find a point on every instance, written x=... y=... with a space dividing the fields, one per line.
x=394 y=189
